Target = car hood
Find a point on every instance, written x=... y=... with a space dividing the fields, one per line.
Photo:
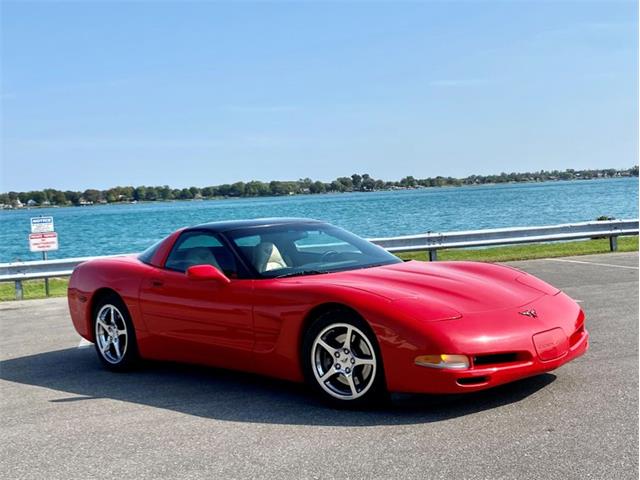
x=448 y=289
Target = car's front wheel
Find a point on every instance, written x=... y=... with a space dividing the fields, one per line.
x=341 y=360
x=114 y=335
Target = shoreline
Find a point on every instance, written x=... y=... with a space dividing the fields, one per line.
x=4 y=208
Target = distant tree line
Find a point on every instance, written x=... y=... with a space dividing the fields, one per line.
x=354 y=183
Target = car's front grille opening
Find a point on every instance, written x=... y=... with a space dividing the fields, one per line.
x=472 y=381
x=495 y=358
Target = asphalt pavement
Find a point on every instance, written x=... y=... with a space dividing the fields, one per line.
x=63 y=416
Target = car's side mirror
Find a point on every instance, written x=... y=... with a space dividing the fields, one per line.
x=207 y=272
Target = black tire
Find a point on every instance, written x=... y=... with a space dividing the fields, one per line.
x=125 y=356
x=338 y=390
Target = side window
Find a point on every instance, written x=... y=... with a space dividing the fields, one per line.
x=201 y=248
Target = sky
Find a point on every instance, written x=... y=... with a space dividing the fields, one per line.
x=98 y=94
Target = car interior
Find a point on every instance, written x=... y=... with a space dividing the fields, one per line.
x=266 y=256
x=296 y=250
x=284 y=252
x=201 y=249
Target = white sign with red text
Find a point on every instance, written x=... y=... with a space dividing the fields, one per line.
x=43 y=242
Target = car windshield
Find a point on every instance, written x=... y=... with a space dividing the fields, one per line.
x=289 y=250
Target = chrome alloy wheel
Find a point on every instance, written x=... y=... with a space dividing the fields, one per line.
x=111 y=334
x=343 y=361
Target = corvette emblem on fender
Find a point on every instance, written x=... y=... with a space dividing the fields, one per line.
x=529 y=313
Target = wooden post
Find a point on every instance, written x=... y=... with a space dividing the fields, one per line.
x=433 y=255
x=613 y=243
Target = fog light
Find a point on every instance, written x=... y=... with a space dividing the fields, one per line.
x=454 y=362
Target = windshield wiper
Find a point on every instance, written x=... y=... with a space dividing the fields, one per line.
x=300 y=273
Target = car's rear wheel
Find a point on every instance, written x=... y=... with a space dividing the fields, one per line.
x=342 y=361
x=114 y=335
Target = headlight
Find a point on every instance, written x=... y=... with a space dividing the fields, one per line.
x=453 y=362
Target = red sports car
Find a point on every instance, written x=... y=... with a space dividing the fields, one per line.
x=300 y=299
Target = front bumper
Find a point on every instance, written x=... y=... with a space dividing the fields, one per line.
x=480 y=378
x=509 y=349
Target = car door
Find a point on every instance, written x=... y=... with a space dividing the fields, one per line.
x=200 y=321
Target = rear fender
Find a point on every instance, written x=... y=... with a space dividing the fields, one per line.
x=122 y=275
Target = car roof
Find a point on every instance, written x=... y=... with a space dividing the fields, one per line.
x=228 y=225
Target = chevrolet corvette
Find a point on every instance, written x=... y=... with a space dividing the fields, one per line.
x=303 y=300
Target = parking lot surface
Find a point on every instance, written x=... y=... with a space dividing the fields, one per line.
x=63 y=416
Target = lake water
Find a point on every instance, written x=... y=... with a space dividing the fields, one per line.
x=110 y=229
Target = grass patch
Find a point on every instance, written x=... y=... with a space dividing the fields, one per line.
x=529 y=251
x=58 y=286
x=34 y=289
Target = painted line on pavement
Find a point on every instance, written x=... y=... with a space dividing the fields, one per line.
x=592 y=263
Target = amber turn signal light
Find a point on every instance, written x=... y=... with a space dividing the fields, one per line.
x=443 y=360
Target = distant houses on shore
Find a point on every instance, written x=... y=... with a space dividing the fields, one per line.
x=306 y=186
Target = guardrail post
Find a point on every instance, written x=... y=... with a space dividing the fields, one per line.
x=19 y=292
x=613 y=243
x=433 y=255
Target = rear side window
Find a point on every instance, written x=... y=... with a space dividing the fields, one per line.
x=198 y=240
x=149 y=253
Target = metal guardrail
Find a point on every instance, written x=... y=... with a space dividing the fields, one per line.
x=19 y=271
x=429 y=242
x=432 y=242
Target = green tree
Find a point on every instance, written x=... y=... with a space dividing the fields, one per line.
x=224 y=189
x=408 y=182
x=336 y=186
x=346 y=182
x=185 y=194
x=91 y=195
x=165 y=192
x=139 y=193
x=237 y=189
x=317 y=187
x=357 y=181
x=368 y=183
x=151 y=194
x=255 y=188
x=73 y=197
x=207 y=192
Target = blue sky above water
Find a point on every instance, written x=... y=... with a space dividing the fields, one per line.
x=101 y=94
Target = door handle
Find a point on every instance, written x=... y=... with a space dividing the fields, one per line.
x=156 y=283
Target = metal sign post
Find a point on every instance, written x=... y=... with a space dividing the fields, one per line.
x=46 y=280
x=42 y=239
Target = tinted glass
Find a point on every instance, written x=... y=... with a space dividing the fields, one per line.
x=149 y=253
x=201 y=248
x=284 y=250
